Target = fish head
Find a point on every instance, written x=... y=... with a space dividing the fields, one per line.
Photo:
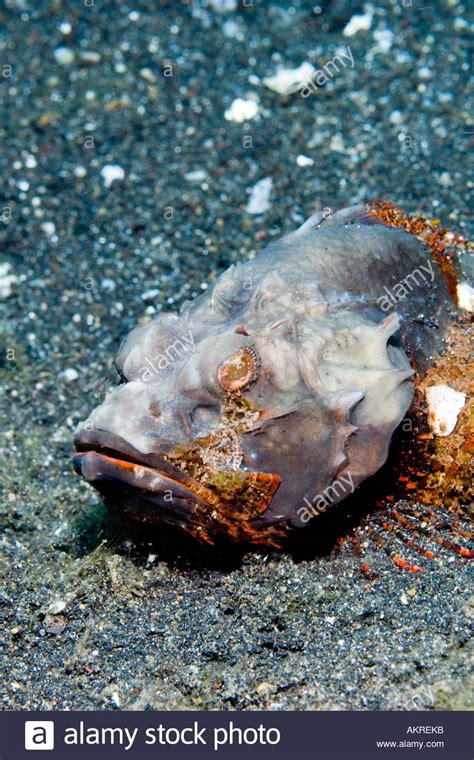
x=225 y=429
x=166 y=444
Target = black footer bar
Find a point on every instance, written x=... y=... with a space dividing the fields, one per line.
x=228 y=735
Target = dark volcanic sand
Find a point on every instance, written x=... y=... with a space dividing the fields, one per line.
x=96 y=616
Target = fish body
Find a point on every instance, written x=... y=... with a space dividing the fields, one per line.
x=272 y=396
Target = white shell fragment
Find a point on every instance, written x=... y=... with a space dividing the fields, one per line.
x=70 y=374
x=465 y=293
x=224 y=6
x=287 y=81
x=64 y=56
x=304 y=160
x=57 y=606
x=360 y=22
x=259 y=200
x=241 y=110
x=111 y=172
x=6 y=280
x=444 y=405
x=384 y=39
x=198 y=175
x=49 y=229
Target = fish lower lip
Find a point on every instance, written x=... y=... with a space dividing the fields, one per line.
x=104 y=458
x=97 y=467
x=149 y=488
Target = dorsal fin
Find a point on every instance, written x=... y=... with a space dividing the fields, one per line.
x=351 y=215
x=313 y=221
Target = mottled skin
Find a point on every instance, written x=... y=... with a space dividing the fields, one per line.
x=329 y=380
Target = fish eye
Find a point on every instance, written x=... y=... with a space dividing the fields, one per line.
x=239 y=370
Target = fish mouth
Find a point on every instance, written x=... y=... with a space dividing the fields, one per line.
x=150 y=488
x=129 y=477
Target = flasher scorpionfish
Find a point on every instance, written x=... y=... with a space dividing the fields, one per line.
x=282 y=385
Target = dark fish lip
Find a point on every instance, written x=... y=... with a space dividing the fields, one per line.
x=103 y=442
x=149 y=488
x=104 y=458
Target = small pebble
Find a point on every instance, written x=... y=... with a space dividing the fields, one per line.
x=264 y=687
x=445 y=179
x=396 y=117
x=241 y=110
x=69 y=375
x=231 y=29
x=259 y=200
x=424 y=72
x=89 y=56
x=304 y=161
x=149 y=295
x=56 y=606
x=286 y=81
x=147 y=74
x=384 y=40
x=336 y=144
x=224 y=6
x=196 y=176
x=64 y=56
x=49 y=228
